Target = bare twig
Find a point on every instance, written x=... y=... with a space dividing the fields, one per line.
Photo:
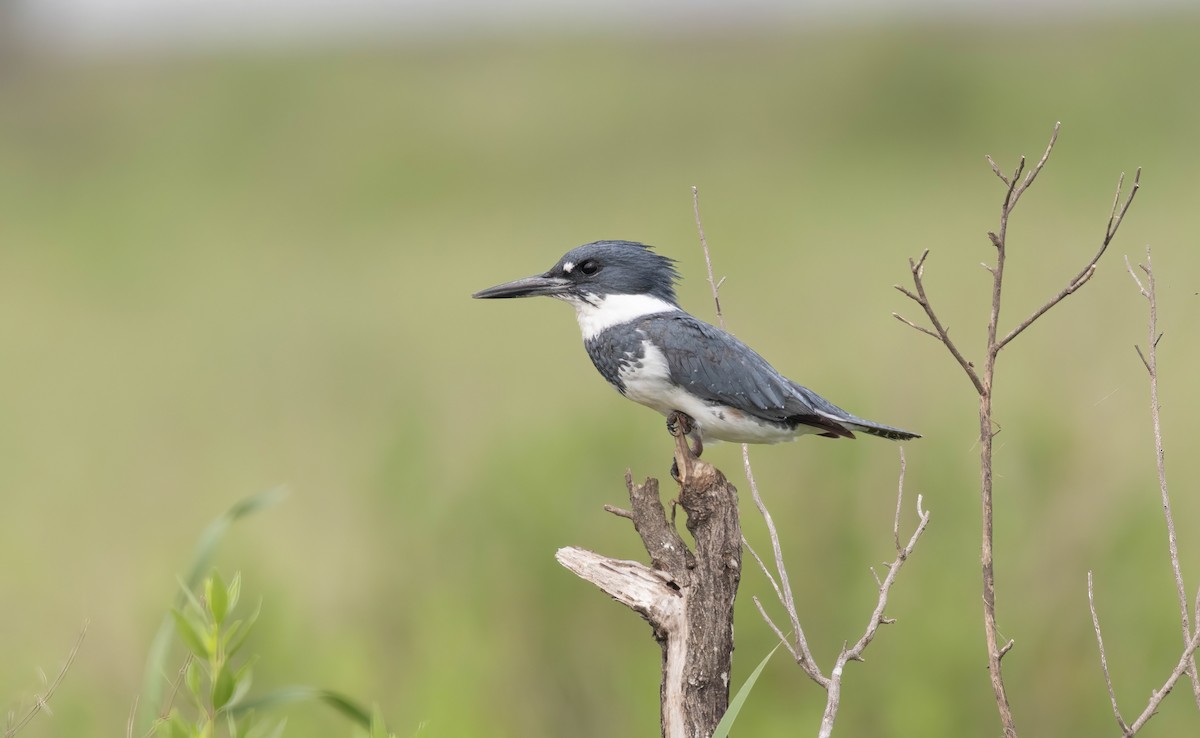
x=899 y=501
x=716 y=286
x=914 y=326
x=1185 y=661
x=917 y=268
x=1112 y=696
x=1150 y=361
x=165 y=710
x=1037 y=169
x=996 y=169
x=765 y=570
x=620 y=512
x=1114 y=222
x=803 y=653
x=983 y=379
x=41 y=701
x=132 y=718
x=783 y=589
x=854 y=653
x=779 y=633
x=798 y=646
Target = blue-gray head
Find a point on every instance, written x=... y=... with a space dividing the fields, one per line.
x=597 y=270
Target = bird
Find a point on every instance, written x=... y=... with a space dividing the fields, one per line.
x=657 y=354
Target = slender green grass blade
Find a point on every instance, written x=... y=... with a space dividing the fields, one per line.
x=153 y=681
x=735 y=705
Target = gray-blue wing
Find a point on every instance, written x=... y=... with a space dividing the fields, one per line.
x=715 y=366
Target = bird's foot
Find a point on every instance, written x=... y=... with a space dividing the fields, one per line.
x=680 y=424
x=682 y=427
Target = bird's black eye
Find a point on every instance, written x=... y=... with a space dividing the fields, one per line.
x=589 y=267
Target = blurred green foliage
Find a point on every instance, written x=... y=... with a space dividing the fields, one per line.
x=218 y=273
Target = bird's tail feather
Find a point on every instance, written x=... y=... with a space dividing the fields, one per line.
x=880 y=430
x=849 y=421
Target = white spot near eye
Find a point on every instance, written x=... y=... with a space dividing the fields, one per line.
x=568 y=266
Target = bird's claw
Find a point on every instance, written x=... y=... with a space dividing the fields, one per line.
x=680 y=424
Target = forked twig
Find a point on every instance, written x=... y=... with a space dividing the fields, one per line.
x=854 y=653
x=983 y=378
x=1114 y=222
x=917 y=268
x=1185 y=662
x=1150 y=360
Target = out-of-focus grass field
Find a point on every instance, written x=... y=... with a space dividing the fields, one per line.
x=223 y=273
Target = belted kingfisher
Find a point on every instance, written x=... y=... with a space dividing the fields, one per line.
x=656 y=354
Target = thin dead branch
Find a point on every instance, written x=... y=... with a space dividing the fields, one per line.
x=41 y=701
x=983 y=378
x=1080 y=279
x=798 y=646
x=940 y=332
x=1112 y=695
x=1156 y=698
x=1186 y=661
x=1150 y=360
x=855 y=652
x=716 y=286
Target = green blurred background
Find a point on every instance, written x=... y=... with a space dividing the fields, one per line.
x=223 y=271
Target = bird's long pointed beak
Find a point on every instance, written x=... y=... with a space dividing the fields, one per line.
x=527 y=287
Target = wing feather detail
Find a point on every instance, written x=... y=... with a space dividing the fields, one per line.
x=718 y=368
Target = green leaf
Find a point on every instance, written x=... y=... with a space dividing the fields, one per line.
x=191 y=679
x=154 y=681
x=222 y=688
x=242 y=684
x=217 y=596
x=735 y=705
x=229 y=634
x=288 y=695
x=235 y=590
x=190 y=599
x=237 y=636
x=189 y=635
x=174 y=726
x=378 y=726
x=211 y=537
x=265 y=730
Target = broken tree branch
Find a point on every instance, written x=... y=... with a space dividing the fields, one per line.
x=687 y=596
